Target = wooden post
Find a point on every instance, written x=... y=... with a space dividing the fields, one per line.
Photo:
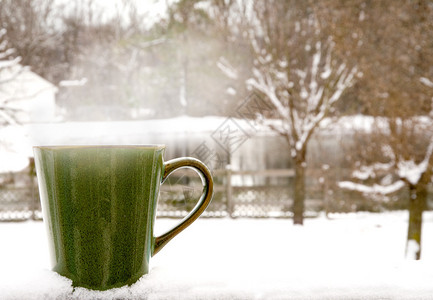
x=34 y=199
x=230 y=205
x=325 y=186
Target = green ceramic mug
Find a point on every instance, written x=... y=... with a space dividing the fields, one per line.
x=99 y=206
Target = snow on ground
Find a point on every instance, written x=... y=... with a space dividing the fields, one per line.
x=353 y=256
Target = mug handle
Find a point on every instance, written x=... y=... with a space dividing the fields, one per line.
x=206 y=178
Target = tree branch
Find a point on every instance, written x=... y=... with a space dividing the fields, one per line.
x=373 y=189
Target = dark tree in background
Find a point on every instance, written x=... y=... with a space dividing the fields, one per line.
x=10 y=68
x=297 y=71
x=32 y=29
x=396 y=59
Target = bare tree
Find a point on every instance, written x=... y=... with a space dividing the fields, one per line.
x=10 y=68
x=402 y=157
x=34 y=30
x=397 y=90
x=296 y=70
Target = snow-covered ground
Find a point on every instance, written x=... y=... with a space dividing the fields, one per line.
x=353 y=256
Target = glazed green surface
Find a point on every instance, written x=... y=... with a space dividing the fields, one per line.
x=99 y=206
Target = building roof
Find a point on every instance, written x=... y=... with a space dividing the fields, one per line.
x=21 y=83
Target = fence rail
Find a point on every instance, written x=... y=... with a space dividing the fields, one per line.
x=262 y=193
x=19 y=203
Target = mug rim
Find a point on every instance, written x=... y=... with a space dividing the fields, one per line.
x=82 y=146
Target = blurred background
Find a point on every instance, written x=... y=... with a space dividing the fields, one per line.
x=298 y=107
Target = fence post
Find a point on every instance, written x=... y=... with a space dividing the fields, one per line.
x=34 y=198
x=230 y=206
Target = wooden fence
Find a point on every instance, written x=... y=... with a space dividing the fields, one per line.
x=262 y=193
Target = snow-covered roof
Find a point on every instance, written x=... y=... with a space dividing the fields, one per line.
x=367 y=124
x=12 y=162
x=14 y=149
x=119 y=132
x=151 y=131
x=128 y=131
x=26 y=83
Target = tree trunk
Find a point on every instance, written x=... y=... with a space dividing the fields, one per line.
x=299 y=193
x=417 y=202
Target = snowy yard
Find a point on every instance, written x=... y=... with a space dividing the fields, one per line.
x=353 y=256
